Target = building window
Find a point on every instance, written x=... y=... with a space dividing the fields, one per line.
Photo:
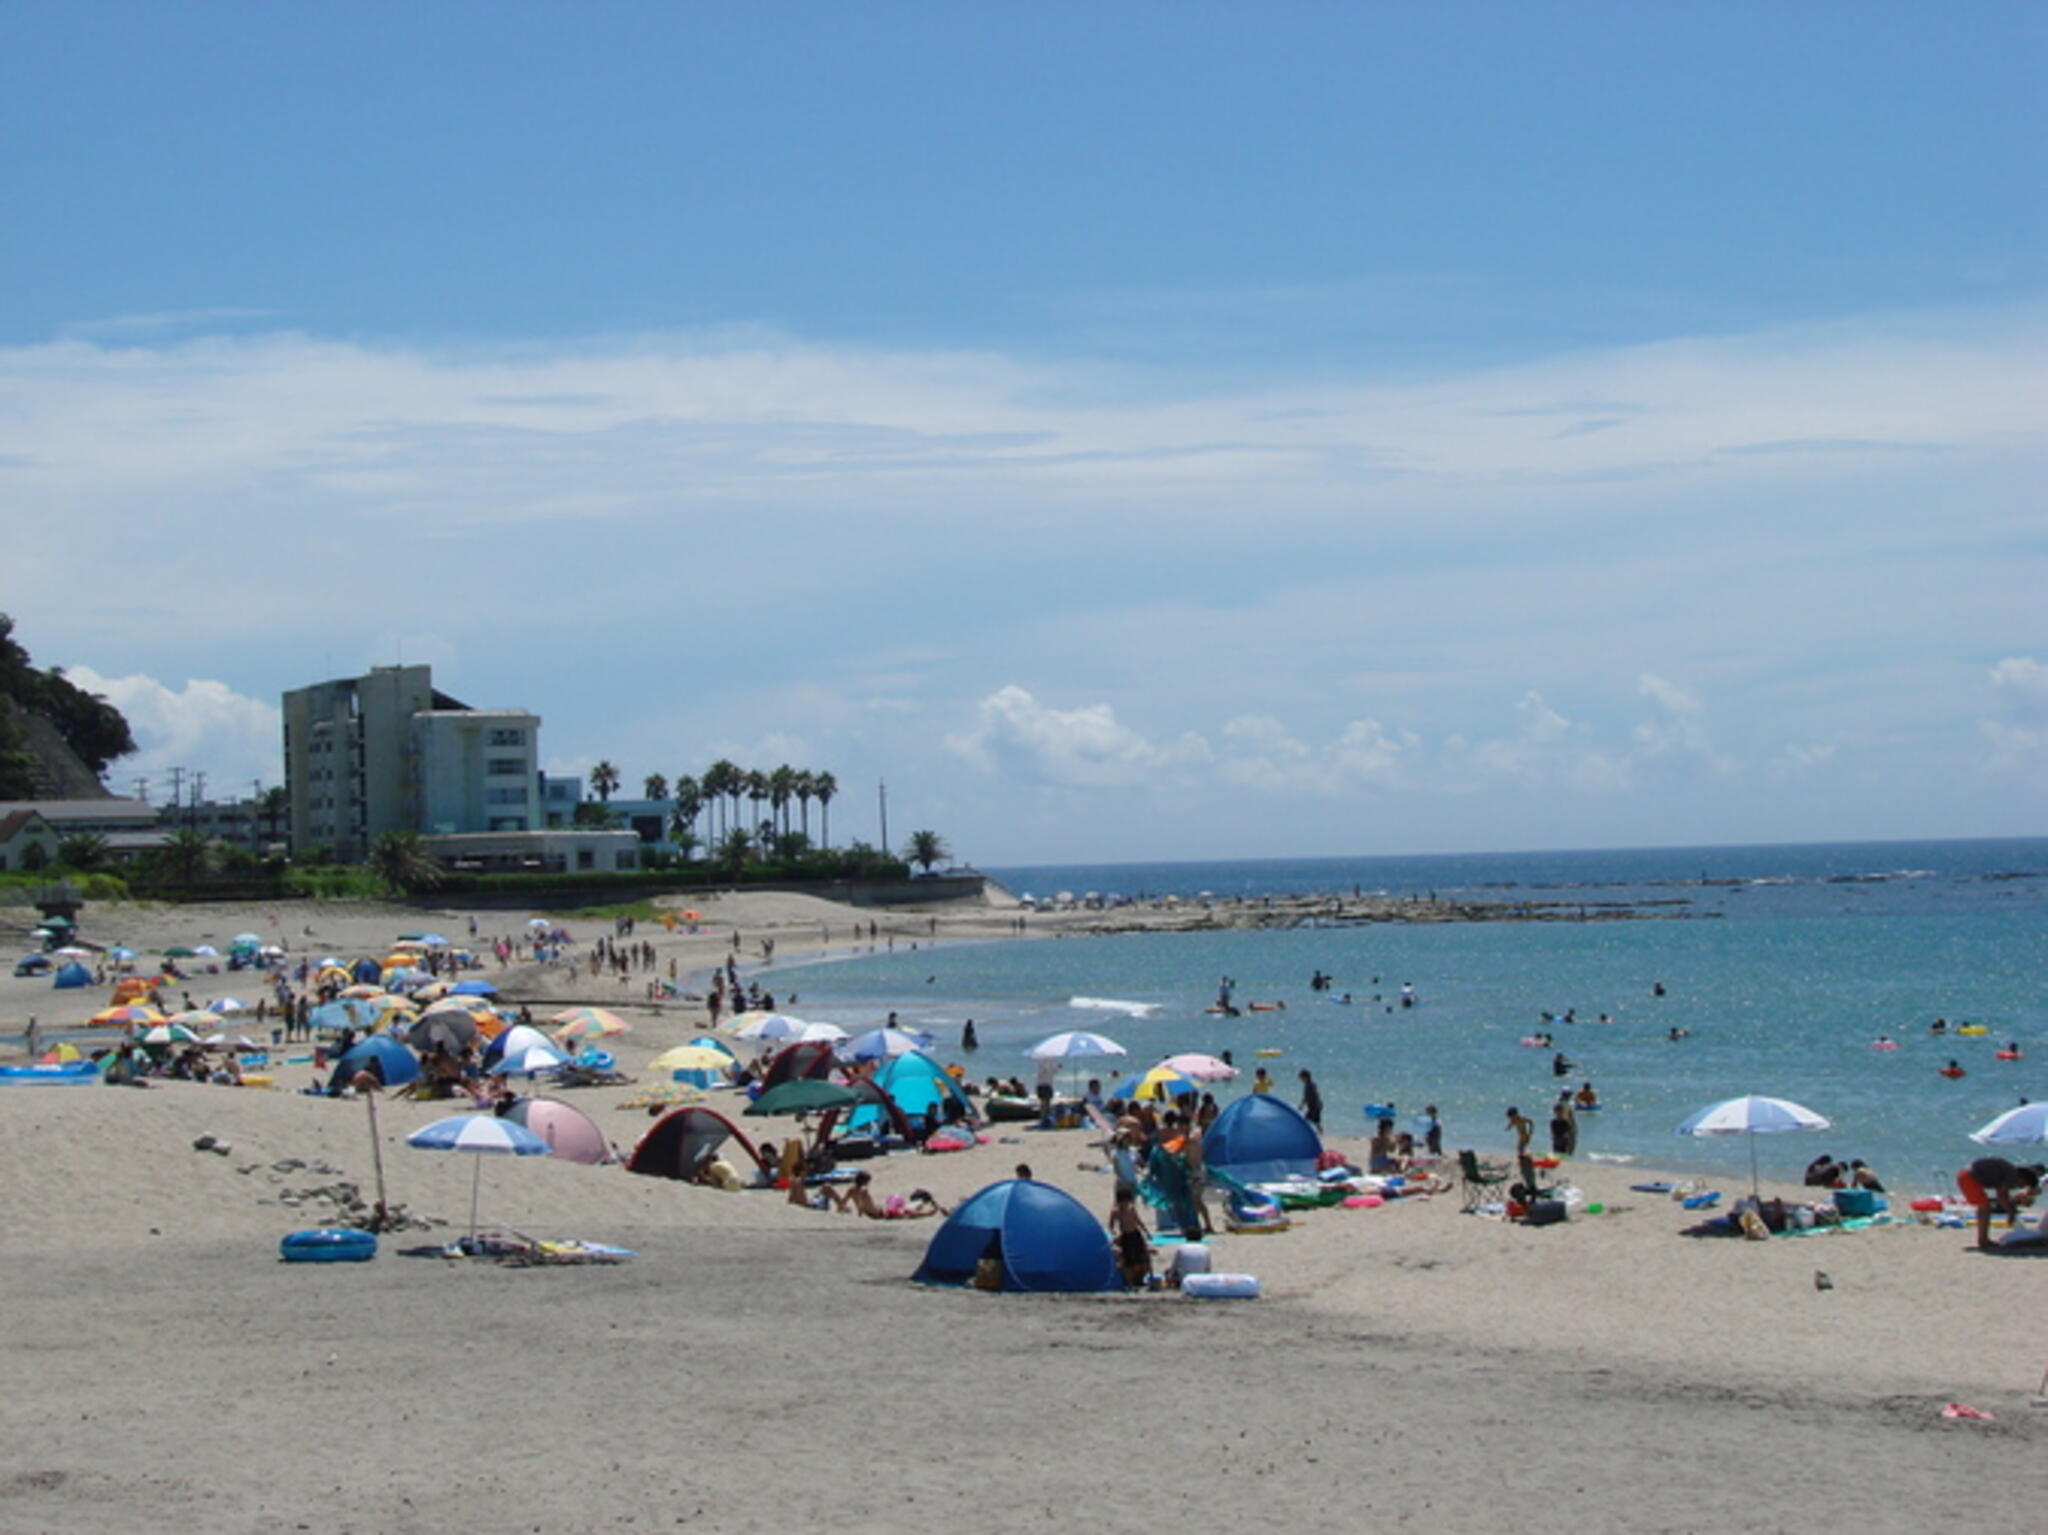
x=585 y=858
x=507 y=738
x=508 y=823
x=506 y=767
x=504 y=796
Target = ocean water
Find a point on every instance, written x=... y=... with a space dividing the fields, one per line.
x=1784 y=964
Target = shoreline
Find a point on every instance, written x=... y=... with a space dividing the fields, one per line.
x=1408 y=1363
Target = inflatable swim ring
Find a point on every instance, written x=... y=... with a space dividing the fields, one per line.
x=1267 y=1055
x=1534 y=1042
x=1974 y=1028
x=1952 y=1072
x=2008 y=1055
x=1364 y=1202
x=1884 y=1044
x=329 y=1244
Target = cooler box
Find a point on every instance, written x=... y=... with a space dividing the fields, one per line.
x=1854 y=1203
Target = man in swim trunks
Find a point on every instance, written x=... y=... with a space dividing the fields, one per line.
x=1133 y=1251
x=1994 y=1184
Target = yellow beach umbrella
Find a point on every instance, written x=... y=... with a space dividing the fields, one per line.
x=690 y=1058
x=589 y=1023
x=137 y=1013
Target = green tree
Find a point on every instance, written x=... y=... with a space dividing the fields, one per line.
x=722 y=781
x=689 y=804
x=735 y=850
x=823 y=788
x=186 y=857
x=926 y=848
x=757 y=791
x=654 y=786
x=275 y=806
x=598 y=817
x=604 y=781
x=82 y=850
x=401 y=860
x=781 y=790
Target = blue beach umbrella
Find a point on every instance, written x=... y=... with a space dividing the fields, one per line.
x=481 y=1135
x=474 y=989
x=394 y=1064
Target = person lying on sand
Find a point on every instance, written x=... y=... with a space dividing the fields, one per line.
x=860 y=1199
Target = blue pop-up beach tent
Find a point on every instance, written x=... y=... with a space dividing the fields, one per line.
x=393 y=1064
x=72 y=976
x=1260 y=1139
x=920 y=1088
x=1043 y=1237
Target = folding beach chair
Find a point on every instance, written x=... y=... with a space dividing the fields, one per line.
x=1476 y=1177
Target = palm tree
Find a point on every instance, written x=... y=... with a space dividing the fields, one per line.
x=654 y=786
x=806 y=786
x=275 y=805
x=823 y=787
x=781 y=790
x=401 y=860
x=689 y=804
x=926 y=848
x=82 y=850
x=733 y=851
x=757 y=790
x=720 y=783
x=604 y=779
x=187 y=855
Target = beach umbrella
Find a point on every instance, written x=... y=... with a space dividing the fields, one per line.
x=589 y=1023
x=168 y=1033
x=473 y=989
x=820 y=1034
x=538 y=922
x=225 y=1005
x=127 y=1015
x=452 y=1031
x=765 y=1026
x=690 y=1058
x=72 y=951
x=1197 y=1067
x=120 y=951
x=531 y=1060
x=885 y=1044
x=805 y=1095
x=179 y=951
x=1753 y=1116
x=1163 y=1084
x=207 y=951
x=195 y=1018
x=480 y=1135
x=362 y=989
x=61 y=1054
x=1073 y=1043
x=2026 y=1125
x=344 y=1013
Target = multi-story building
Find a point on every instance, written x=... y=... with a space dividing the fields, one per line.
x=388 y=752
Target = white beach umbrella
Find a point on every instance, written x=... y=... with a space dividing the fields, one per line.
x=1074 y=1042
x=481 y=1135
x=820 y=1033
x=766 y=1026
x=2026 y=1125
x=1753 y=1116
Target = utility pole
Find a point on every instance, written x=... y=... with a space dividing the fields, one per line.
x=142 y=787
x=198 y=794
x=882 y=793
x=177 y=787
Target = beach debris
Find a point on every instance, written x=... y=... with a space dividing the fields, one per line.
x=1821 y=1280
x=204 y=1143
x=1964 y=1412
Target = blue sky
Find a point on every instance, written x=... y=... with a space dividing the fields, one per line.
x=1134 y=431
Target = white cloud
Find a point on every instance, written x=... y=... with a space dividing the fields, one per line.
x=2019 y=740
x=1259 y=752
x=203 y=725
x=1084 y=747
x=2022 y=679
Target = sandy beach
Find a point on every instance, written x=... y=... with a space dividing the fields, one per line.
x=764 y=1367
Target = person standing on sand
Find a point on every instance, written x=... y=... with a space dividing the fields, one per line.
x=1520 y=1124
x=1432 y=1131
x=1564 y=1127
x=1311 y=1101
